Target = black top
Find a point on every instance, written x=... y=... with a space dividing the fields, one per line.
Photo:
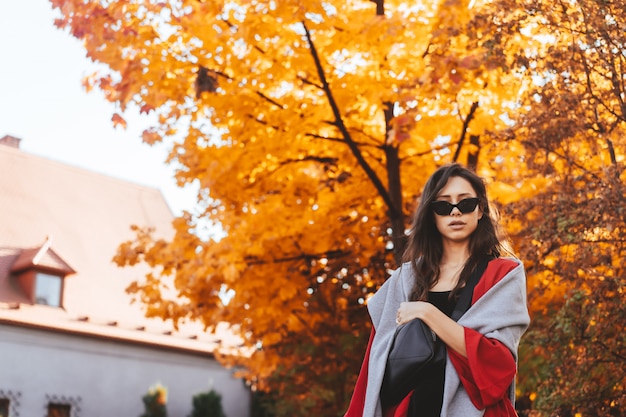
x=442 y=301
x=428 y=395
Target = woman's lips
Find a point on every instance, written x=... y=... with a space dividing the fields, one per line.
x=456 y=225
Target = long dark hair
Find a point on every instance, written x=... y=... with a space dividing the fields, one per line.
x=424 y=246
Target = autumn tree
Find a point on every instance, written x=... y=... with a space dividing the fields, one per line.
x=571 y=233
x=311 y=127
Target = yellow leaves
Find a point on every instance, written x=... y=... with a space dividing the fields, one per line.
x=510 y=166
x=548 y=291
x=549 y=261
x=287 y=292
x=126 y=255
x=305 y=227
x=533 y=186
x=231 y=274
x=503 y=193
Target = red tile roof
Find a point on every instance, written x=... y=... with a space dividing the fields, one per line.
x=42 y=257
x=9 y=292
x=87 y=216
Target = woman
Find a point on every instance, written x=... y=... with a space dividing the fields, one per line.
x=452 y=232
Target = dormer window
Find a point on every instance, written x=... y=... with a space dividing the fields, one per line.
x=48 y=289
x=41 y=274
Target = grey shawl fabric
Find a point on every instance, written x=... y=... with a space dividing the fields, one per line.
x=500 y=314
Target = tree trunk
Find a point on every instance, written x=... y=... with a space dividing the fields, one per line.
x=472 y=157
x=396 y=217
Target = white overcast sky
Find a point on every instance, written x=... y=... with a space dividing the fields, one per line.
x=42 y=101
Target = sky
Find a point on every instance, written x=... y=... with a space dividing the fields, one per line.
x=43 y=102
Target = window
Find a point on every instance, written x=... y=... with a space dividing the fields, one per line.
x=4 y=407
x=62 y=406
x=59 y=410
x=48 y=290
x=9 y=401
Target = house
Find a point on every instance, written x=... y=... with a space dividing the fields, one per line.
x=71 y=342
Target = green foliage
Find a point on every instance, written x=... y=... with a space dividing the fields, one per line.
x=264 y=404
x=586 y=373
x=155 y=402
x=207 y=404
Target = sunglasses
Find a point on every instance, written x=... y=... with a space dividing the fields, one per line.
x=444 y=208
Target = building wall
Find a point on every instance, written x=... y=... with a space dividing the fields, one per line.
x=104 y=378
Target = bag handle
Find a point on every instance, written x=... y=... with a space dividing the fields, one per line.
x=466 y=292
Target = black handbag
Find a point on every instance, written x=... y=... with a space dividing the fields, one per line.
x=416 y=348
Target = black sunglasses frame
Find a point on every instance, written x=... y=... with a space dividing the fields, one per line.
x=465 y=206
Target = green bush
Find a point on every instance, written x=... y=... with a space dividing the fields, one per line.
x=155 y=401
x=207 y=404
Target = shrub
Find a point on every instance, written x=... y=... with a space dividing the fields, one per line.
x=155 y=402
x=207 y=404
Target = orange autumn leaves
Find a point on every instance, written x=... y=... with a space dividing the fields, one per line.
x=311 y=128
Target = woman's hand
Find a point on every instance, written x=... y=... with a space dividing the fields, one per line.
x=410 y=310
x=452 y=333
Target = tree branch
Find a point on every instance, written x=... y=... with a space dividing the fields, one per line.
x=573 y=163
x=466 y=123
x=610 y=351
x=382 y=191
x=252 y=260
x=380 y=7
x=333 y=139
x=270 y=100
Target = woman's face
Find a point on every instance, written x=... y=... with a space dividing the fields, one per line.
x=456 y=226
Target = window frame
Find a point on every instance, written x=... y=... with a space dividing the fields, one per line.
x=59 y=409
x=72 y=402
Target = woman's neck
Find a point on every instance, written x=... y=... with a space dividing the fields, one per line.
x=456 y=259
x=454 y=254
x=449 y=272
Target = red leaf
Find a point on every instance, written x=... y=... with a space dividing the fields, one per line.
x=146 y=108
x=118 y=121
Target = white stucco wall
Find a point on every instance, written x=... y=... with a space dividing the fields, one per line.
x=106 y=378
